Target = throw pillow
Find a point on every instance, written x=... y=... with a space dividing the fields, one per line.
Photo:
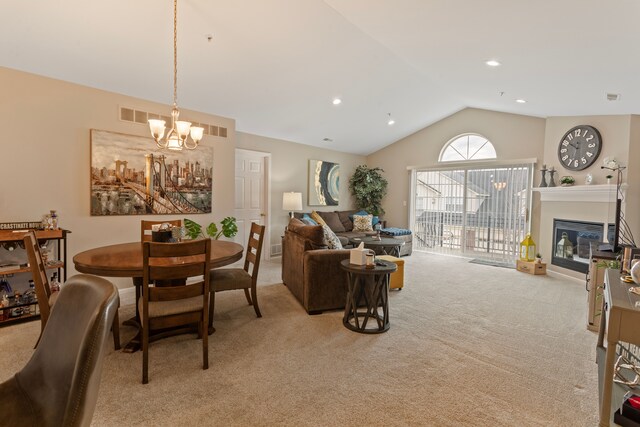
x=317 y=218
x=346 y=218
x=363 y=212
x=330 y=238
x=308 y=218
x=333 y=221
x=362 y=223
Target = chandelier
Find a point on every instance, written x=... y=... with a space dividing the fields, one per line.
x=178 y=136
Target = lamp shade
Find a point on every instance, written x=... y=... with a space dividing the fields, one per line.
x=292 y=201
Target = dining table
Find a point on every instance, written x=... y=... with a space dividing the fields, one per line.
x=125 y=260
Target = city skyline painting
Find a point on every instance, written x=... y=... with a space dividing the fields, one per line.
x=130 y=175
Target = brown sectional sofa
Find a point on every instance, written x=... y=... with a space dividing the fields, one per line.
x=340 y=223
x=310 y=271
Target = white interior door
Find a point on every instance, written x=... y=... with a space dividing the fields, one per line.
x=251 y=194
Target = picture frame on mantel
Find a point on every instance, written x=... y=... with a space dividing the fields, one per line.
x=130 y=175
x=324 y=183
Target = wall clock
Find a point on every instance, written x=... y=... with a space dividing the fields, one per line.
x=579 y=147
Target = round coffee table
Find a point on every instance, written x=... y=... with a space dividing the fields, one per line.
x=381 y=245
x=369 y=289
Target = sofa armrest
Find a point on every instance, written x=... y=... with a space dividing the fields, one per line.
x=326 y=283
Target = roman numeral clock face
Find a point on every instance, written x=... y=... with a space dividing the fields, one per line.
x=579 y=147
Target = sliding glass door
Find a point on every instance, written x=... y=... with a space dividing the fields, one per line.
x=480 y=212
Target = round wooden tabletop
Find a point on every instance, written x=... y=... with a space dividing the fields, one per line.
x=125 y=259
x=380 y=267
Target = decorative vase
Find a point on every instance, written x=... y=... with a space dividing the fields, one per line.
x=588 y=179
x=543 y=182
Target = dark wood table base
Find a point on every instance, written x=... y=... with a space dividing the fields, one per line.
x=368 y=289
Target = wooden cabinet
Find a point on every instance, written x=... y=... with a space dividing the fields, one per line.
x=594 y=285
x=619 y=323
x=15 y=271
x=531 y=267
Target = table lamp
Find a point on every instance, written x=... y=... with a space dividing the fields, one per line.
x=292 y=202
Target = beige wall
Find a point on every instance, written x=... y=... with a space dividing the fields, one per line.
x=514 y=137
x=632 y=202
x=45 y=163
x=289 y=172
x=618 y=134
x=521 y=137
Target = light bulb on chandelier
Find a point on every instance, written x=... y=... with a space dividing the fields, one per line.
x=178 y=136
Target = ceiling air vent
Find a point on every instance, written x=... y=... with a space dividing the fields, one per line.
x=613 y=97
x=138 y=116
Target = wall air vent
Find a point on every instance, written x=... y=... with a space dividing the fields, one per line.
x=613 y=97
x=141 y=117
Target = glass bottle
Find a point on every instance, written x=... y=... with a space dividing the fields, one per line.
x=54 y=220
x=32 y=298
x=54 y=284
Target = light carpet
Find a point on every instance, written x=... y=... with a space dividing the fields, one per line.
x=469 y=345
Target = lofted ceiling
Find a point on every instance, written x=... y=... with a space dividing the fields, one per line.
x=275 y=65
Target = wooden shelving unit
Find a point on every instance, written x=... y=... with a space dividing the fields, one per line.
x=15 y=232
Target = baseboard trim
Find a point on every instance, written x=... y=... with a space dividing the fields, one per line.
x=564 y=276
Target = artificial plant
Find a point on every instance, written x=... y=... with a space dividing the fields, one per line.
x=369 y=187
x=228 y=228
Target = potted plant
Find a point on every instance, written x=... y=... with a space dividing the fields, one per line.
x=228 y=228
x=566 y=181
x=538 y=258
x=369 y=187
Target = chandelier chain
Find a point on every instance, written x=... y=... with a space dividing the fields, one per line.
x=175 y=53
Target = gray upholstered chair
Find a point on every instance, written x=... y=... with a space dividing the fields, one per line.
x=59 y=385
x=226 y=279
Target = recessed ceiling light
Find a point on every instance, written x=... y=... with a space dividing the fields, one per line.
x=520 y=101
x=391 y=122
x=337 y=101
x=492 y=63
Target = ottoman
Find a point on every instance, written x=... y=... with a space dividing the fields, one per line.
x=401 y=234
x=396 y=280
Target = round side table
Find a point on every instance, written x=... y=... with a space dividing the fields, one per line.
x=369 y=290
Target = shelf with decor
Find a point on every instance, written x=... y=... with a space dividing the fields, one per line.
x=17 y=298
x=580 y=193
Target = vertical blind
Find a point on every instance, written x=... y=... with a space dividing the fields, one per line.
x=480 y=212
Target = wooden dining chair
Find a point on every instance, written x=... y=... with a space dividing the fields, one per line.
x=47 y=297
x=145 y=227
x=164 y=307
x=226 y=279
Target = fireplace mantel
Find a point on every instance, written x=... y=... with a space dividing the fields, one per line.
x=603 y=193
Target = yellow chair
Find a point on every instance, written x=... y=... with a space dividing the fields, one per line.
x=396 y=280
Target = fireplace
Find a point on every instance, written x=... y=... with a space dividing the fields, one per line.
x=571 y=242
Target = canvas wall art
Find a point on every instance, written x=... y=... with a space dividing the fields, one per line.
x=131 y=176
x=324 y=183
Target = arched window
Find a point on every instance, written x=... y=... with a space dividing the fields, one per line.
x=469 y=146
